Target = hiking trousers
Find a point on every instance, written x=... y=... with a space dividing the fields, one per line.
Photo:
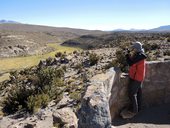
x=135 y=95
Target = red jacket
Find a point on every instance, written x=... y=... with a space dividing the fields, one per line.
x=137 y=66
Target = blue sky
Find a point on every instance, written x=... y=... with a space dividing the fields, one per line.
x=88 y=14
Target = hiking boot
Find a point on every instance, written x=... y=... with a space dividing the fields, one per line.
x=127 y=114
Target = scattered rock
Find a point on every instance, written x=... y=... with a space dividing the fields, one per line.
x=65 y=117
x=29 y=126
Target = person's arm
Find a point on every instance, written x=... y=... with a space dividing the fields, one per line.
x=129 y=60
x=134 y=60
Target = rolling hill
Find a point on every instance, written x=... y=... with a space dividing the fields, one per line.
x=24 y=39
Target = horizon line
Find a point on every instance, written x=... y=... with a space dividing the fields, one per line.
x=114 y=29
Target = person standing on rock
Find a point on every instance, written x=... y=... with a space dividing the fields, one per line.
x=136 y=61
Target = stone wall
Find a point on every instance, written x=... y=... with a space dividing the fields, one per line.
x=156 y=87
x=107 y=94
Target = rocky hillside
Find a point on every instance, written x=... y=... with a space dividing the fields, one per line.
x=23 y=39
x=59 y=90
x=50 y=93
x=51 y=90
x=157 y=45
x=118 y=38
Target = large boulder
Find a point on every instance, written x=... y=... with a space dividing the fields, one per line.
x=95 y=111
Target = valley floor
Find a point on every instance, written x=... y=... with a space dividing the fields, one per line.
x=153 y=117
x=15 y=63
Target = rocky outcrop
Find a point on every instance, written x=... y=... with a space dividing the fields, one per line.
x=95 y=112
x=107 y=94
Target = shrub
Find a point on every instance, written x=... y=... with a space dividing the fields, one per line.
x=51 y=82
x=75 y=52
x=58 y=54
x=154 y=47
x=70 y=81
x=55 y=89
x=48 y=75
x=13 y=75
x=79 y=67
x=49 y=61
x=167 y=53
x=93 y=58
x=35 y=91
x=149 y=47
x=168 y=40
x=87 y=53
x=89 y=46
x=112 y=63
x=76 y=95
x=150 y=57
x=64 y=68
x=16 y=99
x=37 y=101
x=120 y=60
x=76 y=92
x=34 y=79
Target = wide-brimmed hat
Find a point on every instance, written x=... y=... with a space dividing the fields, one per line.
x=138 y=46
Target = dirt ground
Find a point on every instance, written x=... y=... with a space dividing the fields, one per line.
x=153 y=117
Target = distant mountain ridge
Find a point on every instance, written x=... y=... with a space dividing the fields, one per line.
x=128 y=30
x=8 y=22
x=162 y=28
x=165 y=28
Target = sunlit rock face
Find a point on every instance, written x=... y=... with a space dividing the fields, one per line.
x=95 y=110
